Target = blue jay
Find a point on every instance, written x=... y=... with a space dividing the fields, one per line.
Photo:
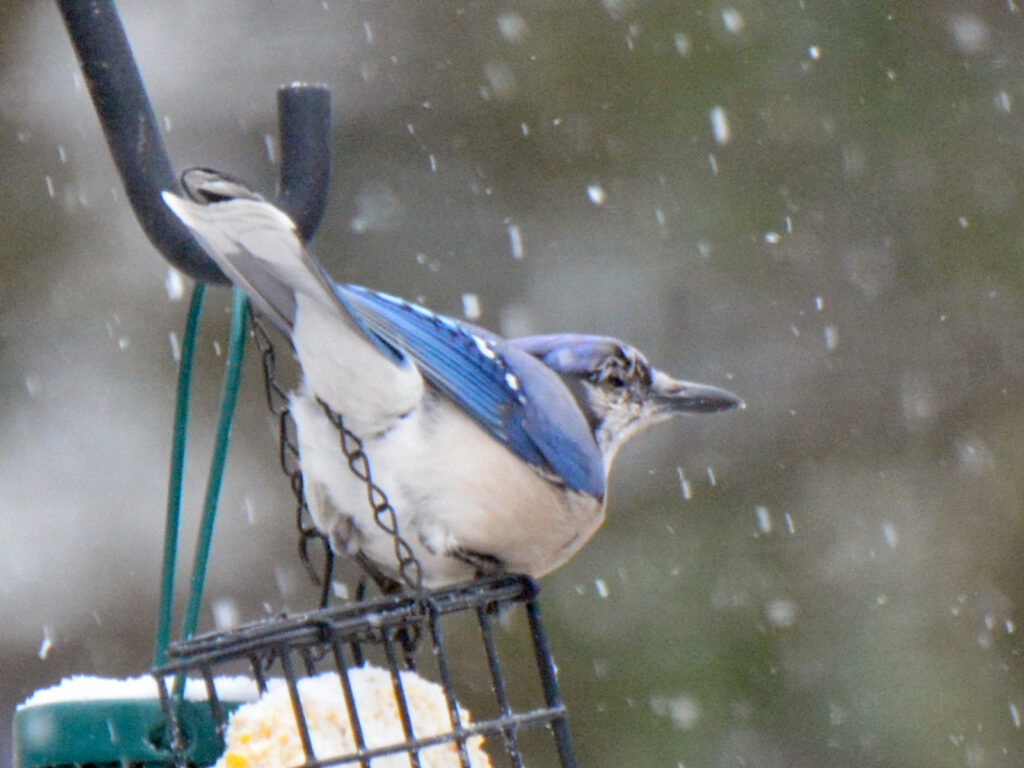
x=494 y=452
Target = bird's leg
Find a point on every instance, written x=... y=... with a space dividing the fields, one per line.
x=408 y=637
x=324 y=576
x=483 y=563
x=387 y=585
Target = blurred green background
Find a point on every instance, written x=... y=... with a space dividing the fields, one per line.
x=813 y=203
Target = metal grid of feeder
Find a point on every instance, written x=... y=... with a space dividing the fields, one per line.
x=522 y=724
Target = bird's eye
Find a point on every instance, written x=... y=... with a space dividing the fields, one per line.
x=615 y=379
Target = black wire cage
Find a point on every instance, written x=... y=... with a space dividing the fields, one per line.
x=518 y=720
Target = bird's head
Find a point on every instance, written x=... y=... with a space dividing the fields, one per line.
x=617 y=390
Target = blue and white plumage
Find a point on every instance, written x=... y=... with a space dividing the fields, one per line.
x=494 y=452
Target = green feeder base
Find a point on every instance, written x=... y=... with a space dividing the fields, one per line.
x=126 y=732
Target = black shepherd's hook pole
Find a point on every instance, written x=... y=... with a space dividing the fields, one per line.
x=304 y=122
x=138 y=149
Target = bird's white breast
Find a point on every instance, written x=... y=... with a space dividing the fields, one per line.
x=452 y=486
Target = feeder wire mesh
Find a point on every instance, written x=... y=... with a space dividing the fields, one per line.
x=340 y=639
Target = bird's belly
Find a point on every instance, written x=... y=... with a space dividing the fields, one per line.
x=457 y=493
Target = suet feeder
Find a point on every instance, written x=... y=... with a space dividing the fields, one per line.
x=375 y=683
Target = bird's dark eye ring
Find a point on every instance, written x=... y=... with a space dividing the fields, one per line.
x=615 y=380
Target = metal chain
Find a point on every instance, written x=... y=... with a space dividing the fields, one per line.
x=409 y=568
x=384 y=515
x=277 y=404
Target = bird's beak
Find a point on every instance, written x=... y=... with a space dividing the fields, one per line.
x=675 y=396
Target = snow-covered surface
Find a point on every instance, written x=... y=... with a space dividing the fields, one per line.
x=264 y=734
x=90 y=688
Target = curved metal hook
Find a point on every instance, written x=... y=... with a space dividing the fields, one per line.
x=137 y=146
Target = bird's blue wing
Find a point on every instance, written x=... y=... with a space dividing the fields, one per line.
x=517 y=399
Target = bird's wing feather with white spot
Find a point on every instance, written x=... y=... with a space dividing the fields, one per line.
x=509 y=393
